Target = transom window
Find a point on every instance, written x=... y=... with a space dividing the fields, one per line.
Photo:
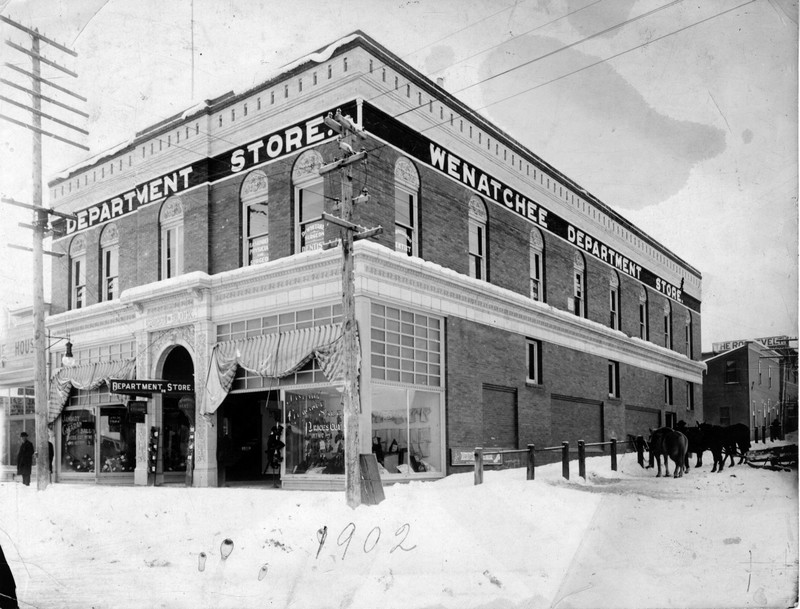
x=406 y=347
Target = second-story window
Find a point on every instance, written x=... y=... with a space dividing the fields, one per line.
x=171 y=225
x=667 y=324
x=668 y=390
x=688 y=334
x=77 y=267
x=537 y=265
x=109 y=263
x=613 y=379
x=309 y=201
x=579 y=286
x=613 y=301
x=644 y=322
x=406 y=189
x=255 y=213
x=477 y=238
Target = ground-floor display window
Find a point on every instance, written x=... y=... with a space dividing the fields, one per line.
x=17 y=414
x=117 y=441
x=78 y=441
x=314 y=433
x=97 y=441
x=407 y=429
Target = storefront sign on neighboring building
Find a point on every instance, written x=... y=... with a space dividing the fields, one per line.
x=771 y=342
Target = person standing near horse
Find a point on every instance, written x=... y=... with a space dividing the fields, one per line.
x=25 y=459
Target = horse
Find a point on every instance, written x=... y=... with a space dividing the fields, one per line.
x=737 y=437
x=671 y=444
x=697 y=443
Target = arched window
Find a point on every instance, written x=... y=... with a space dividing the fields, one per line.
x=667 y=324
x=644 y=315
x=171 y=226
x=109 y=263
x=77 y=273
x=406 y=192
x=537 y=265
x=579 y=285
x=477 y=238
x=309 y=202
x=613 y=300
x=254 y=196
x=689 y=338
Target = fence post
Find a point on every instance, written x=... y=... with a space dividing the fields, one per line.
x=755 y=430
x=640 y=450
x=479 y=465
x=582 y=459
x=531 y=462
x=613 y=454
x=565 y=460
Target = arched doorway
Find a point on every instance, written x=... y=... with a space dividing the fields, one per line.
x=177 y=416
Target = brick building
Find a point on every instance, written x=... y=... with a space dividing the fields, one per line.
x=752 y=383
x=502 y=304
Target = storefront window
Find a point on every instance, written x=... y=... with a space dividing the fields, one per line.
x=77 y=441
x=17 y=414
x=117 y=441
x=406 y=430
x=314 y=432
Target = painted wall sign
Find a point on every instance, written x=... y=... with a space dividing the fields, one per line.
x=444 y=161
x=311 y=131
x=148 y=387
x=280 y=143
x=771 y=342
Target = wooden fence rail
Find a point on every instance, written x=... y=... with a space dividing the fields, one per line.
x=531 y=451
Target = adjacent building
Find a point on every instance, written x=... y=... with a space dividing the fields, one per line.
x=501 y=304
x=752 y=382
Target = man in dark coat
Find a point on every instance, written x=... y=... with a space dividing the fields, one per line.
x=25 y=459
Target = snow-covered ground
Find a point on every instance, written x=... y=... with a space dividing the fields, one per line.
x=617 y=539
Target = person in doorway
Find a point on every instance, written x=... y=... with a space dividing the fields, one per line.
x=52 y=453
x=25 y=459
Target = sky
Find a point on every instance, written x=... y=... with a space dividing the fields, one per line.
x=614 y=540
x=679 y=115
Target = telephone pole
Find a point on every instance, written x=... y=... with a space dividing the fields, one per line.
x=41 y=215
x=348 y=135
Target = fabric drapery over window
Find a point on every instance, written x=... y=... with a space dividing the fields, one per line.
x=275 y=355
x=86 y=377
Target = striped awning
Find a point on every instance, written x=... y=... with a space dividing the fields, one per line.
x=87 y=377
x=276 y=355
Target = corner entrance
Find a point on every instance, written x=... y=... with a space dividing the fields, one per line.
x=245 y=421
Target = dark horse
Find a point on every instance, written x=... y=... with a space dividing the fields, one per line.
x=670 y=444
x=697 y=442
x=724 y=442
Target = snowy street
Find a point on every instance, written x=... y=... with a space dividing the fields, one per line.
x=624 y=539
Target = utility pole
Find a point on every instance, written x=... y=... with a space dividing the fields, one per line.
x=348 y=135
x=41 y=215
